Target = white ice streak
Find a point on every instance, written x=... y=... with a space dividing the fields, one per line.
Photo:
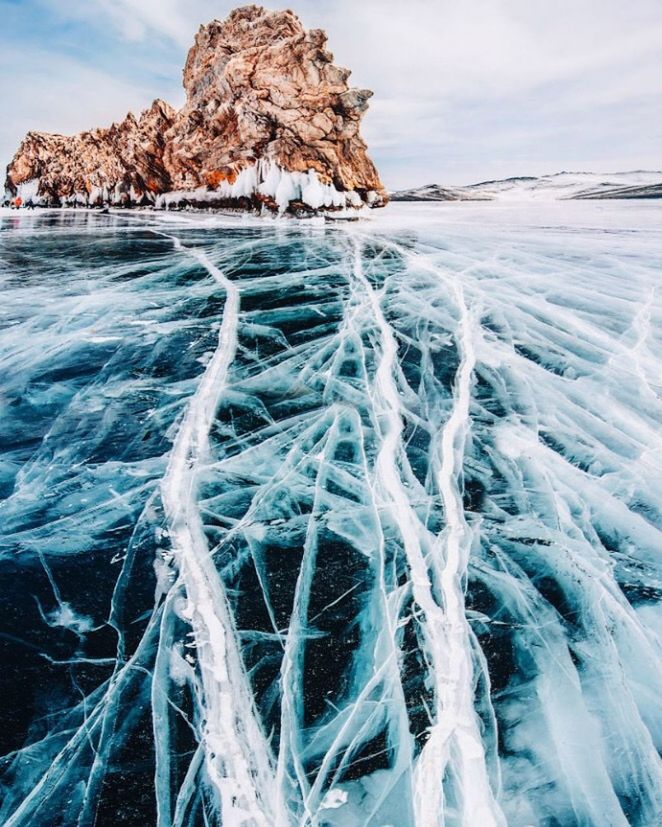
x=456 y=734
x=455 y=724
x=236 y=752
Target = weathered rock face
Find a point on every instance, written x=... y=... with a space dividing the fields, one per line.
x=122 y=164
x=268 y=120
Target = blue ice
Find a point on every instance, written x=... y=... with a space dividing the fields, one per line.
x=332 y=525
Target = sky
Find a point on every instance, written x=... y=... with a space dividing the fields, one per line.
x=465 y=90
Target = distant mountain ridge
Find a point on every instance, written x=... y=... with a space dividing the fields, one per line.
x=559 y=186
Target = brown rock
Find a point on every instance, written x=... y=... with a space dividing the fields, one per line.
x=268 y=119
x=121 y=164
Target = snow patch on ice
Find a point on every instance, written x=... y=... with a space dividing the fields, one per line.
x=66 y=617
x=333 y=799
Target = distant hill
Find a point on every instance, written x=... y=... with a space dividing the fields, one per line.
x=561 y=185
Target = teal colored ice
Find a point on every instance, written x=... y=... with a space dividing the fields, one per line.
x=331 y=524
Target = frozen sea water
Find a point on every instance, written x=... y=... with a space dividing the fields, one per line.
x=332 y=525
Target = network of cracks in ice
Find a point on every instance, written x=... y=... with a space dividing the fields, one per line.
x=331 y=527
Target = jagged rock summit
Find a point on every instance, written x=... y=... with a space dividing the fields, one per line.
x=269 y=121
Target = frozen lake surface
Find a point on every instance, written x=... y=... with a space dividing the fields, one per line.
x=332 y=525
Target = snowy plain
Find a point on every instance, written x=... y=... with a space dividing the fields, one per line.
x=332 y=524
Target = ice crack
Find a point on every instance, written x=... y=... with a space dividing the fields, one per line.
x=236 y=752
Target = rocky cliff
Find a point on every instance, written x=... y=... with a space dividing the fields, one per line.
x=120 y=165
x=269 y=121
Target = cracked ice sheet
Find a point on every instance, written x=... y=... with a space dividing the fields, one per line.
x=332 y=526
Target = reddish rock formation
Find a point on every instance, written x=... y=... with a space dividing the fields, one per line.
x=268 y=119
x=122 y=164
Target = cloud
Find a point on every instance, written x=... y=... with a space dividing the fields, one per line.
x=143 y=21
x=137 y=20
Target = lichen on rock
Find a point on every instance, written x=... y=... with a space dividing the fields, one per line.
x=269 y=121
